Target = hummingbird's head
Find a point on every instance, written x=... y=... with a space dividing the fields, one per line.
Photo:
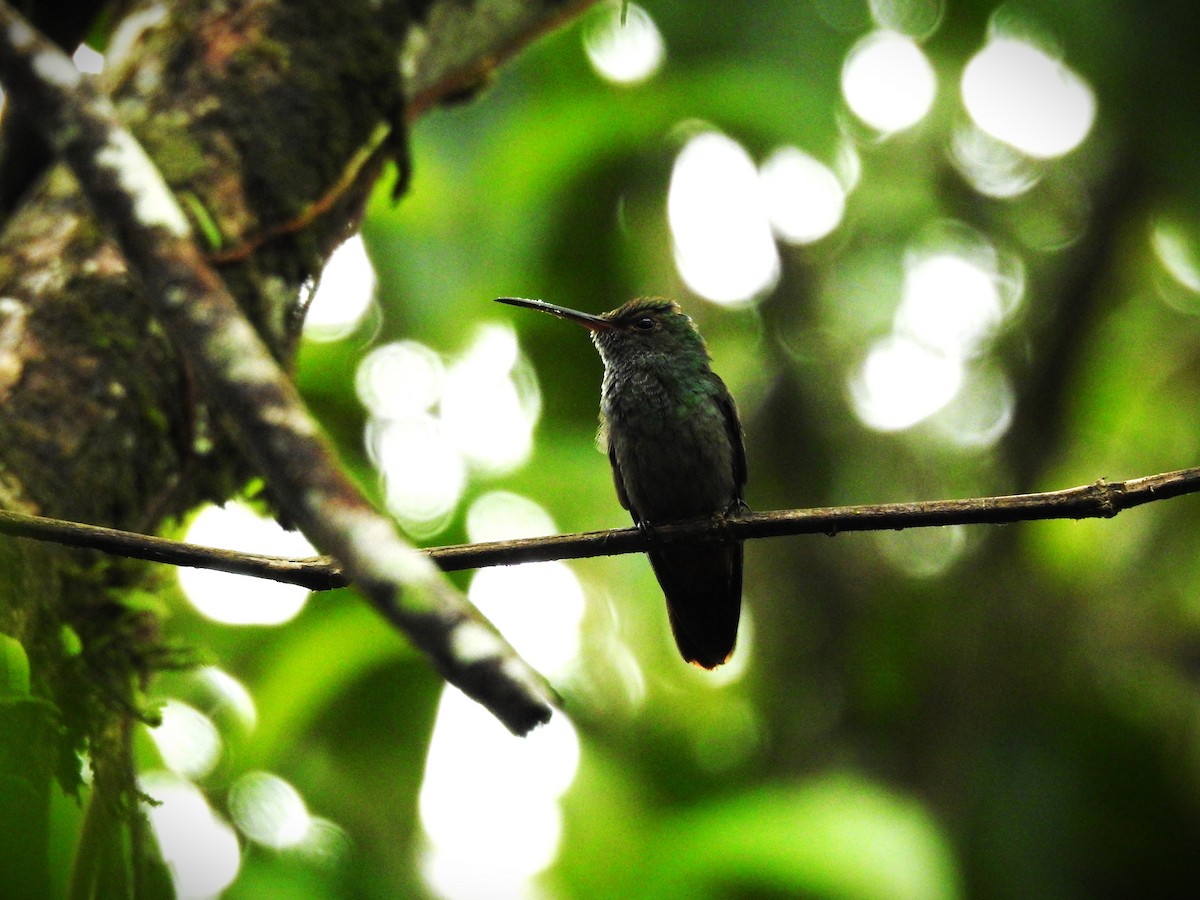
x=649 y=330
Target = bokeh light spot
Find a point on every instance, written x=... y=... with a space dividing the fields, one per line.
x=915 y=18
x=344 y=293
x=187 y=740
x=888 y=82
x=200 y=849
x=488 y=407
x=993 y=168
x=922 y=552
x=804 y=199
x=1021 y=95
x=399 y=379
x=227 y=693
x=958 y=290
x=981 y=412
x=622 y=43
x=422 y=470
x=1178 y=254
x=902 y=382
x=537 y=606
x=240 y=599
x=87 y=60
x=724 y=248
x=432 y=422
x=502 y=515
x=268 y=810
x=950 y=304
x=489 y=801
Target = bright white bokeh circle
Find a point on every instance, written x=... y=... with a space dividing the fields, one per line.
x=888 y=81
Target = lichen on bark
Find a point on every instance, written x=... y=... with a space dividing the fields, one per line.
x=253 y=110
x=264 y=117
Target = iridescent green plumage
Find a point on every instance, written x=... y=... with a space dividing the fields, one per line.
x=675 y=444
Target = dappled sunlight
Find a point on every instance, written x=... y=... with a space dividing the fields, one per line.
x=87 y=60
x=489 y=800
x=958 y=291
x=240 y=599
x=1020 y=94
x=949 y=304
x=400 y=379
x=938 y=252
x=1178 y=252
x=804 y=199
x=622 y=42
x=187 y=740
x=490 y=402
x=724 y=248
x=423 y=473
x=902 y=382
x=268 y=810
x=434 y=422
x=199 y=847
x=226 y=694
x=917 y=19
x=888 y=82
x=503 y=515
x=982 y=411
x=344 y=293
x=922 y=552
x=992 y=167
x=538 y=607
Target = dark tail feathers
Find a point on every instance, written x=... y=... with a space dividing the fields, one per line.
x=703 y=586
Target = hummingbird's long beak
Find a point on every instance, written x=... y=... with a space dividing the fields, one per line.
x=587 y=320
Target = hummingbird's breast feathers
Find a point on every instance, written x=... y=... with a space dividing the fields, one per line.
x=668 y=435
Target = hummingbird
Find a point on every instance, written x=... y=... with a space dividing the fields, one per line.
x=676 y=448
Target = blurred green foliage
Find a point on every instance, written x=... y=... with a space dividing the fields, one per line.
x=1000 y=712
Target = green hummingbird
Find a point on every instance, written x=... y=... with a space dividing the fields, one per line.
x=676 y=449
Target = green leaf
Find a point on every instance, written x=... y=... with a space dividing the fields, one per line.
x=14 y=669
x=838 y=836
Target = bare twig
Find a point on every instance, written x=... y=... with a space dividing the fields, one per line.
x=1102 y=499
x=238 y=372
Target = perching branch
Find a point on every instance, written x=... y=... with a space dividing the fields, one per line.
x=236 y=370
x=1101 y=500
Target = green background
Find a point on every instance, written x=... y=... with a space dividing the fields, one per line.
x=1023 y=722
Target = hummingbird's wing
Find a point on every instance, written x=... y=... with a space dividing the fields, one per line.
x=703 y=582
x=619 y=483
x=733 y=427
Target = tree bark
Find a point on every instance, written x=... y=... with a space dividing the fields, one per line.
x=270 y=121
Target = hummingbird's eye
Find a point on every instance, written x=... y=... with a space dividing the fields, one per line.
x=645 y=323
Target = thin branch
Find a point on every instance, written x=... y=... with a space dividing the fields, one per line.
x=237 y=371
x=317 y=573
x=1101 y=500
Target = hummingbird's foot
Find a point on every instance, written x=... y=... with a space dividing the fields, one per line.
x=735 y=509
x=648 y=534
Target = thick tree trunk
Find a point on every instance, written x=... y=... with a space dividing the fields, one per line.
x=269 y=120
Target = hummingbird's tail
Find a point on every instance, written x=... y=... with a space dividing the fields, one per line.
x=703 y=587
